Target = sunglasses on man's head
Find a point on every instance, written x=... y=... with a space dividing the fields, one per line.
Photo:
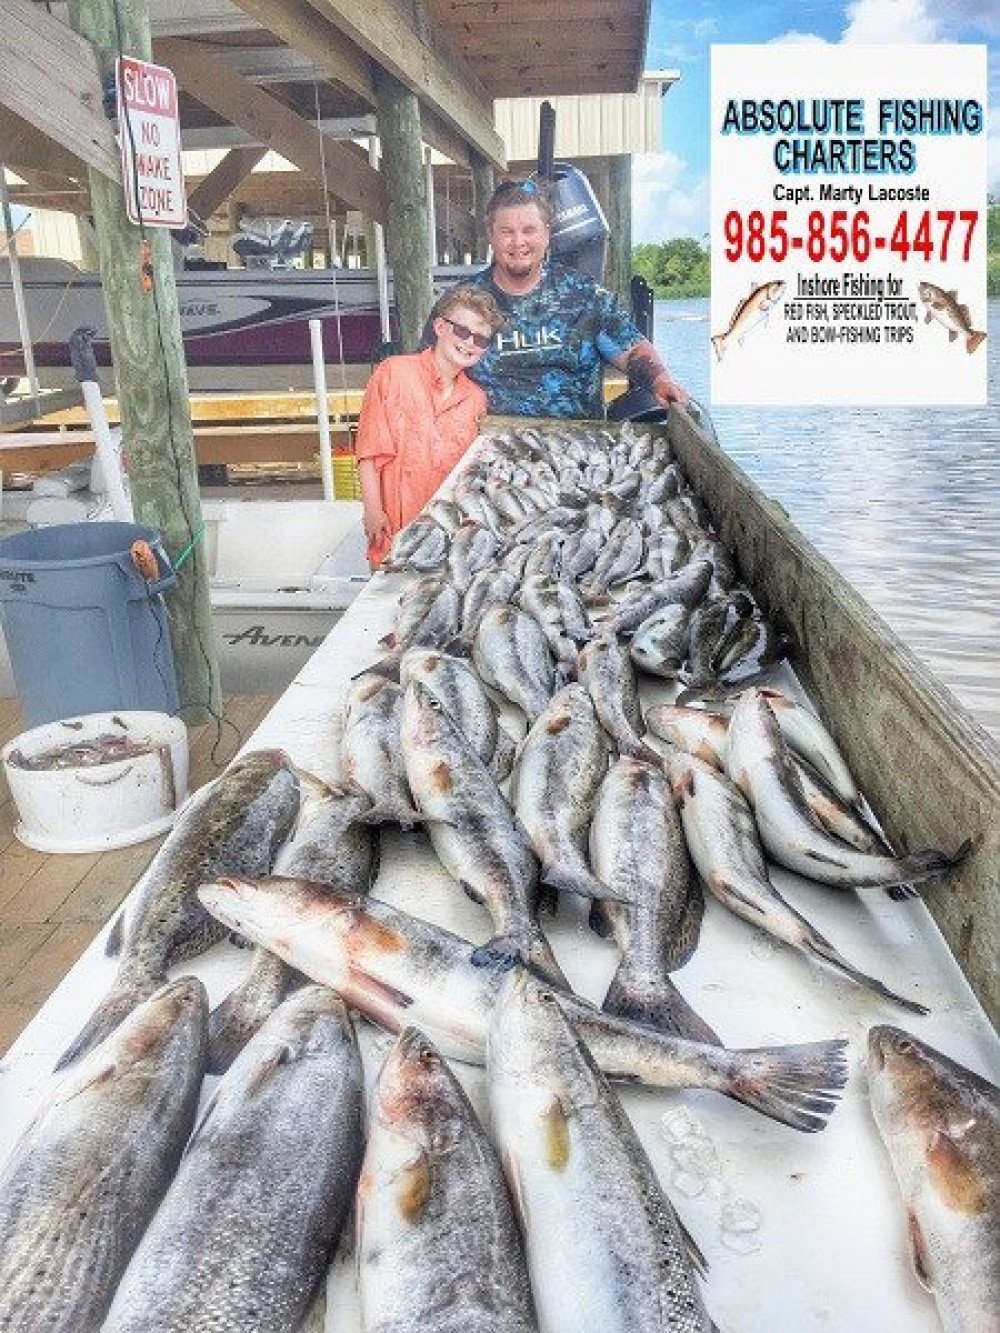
x=462 y=333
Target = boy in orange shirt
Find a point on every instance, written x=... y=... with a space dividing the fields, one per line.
x=420 y=414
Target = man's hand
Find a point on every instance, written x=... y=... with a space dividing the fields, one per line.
x=666 y=390
x=375 y=522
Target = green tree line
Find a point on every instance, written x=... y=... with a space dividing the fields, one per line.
x=674 y=268
x=681 y=267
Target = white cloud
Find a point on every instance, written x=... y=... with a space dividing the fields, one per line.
x=797 y=39
x=890 y=21
x=664 y=205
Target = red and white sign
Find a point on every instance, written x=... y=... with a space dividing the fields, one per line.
x=150 y=134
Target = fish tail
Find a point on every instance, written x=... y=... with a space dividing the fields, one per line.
x=523 y=944
x=822 y=948
x=924 y=865
x=719 y=343
x=973 y=340
x=568 y=877
x=245 y=1009
x=126 y=994
x=798 y=1086
x=657 y=1003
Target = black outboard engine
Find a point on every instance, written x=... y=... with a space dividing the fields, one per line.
x=579 y=227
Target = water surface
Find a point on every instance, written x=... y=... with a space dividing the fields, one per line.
x=905 y=502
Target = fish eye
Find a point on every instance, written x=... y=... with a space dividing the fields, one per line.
x=906 y=1047
x=546 y=997
x=429 y=1058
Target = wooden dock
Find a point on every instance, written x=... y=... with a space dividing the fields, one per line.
x=51 y=907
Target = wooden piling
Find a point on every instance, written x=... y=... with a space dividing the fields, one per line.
x=145 y=335
x=618 y=269
x=407 y=236
x=482 y=189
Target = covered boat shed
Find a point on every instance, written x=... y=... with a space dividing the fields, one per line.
x=291 y=77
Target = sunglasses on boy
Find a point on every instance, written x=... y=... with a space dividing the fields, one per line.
x=462 y=333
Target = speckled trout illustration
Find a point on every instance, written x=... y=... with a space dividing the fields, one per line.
x=944 y=307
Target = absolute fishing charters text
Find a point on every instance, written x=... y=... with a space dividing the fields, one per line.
x=830 y=135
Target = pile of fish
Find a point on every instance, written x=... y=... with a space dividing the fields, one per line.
x=504 y=725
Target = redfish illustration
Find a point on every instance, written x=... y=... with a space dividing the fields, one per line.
x=751 y=311
x=944 y=307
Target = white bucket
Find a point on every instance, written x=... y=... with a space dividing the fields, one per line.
x=95 y=807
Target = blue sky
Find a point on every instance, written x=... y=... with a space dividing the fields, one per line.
x=670 y=190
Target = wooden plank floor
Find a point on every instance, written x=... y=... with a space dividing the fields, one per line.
x=51 y=907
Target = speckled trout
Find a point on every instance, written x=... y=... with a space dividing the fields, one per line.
x=941 y=1125
x=398 y=970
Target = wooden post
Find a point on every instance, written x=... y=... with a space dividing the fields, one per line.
x=145 y=335
x=619 y=264
x=407 y=237
x=482 y=189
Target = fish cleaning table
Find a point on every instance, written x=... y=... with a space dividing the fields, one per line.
x=803 y=1233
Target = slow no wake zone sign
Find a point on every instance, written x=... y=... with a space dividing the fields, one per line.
x=150 y=136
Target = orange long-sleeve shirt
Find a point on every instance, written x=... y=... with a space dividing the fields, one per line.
x=414 y=434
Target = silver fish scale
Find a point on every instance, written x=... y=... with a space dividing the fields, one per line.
x=245 y=1233
x=511 y=654
x=81 y=1186
x=414 y=1277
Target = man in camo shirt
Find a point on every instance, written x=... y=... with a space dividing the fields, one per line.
x=561 y=326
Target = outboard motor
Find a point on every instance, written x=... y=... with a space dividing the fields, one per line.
x=579 y=227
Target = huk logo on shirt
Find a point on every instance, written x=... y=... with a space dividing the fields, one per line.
x=534 y=340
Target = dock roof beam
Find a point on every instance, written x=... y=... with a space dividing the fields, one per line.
x=422 y=61
x=205 y=75
x=49 y=77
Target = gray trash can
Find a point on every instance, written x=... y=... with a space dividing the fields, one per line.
x=85 y=630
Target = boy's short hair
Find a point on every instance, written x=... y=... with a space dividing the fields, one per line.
x=467 y=297
x=518 y=193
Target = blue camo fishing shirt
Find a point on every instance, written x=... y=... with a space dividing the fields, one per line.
x=546 y=361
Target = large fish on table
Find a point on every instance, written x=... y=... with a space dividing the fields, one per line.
x=337 y=847
x=233 y=825
x=370 y=757
x=398 y=970
x=941 y=1125
x=83 y=1182
x=722 y=838
x=472 y=828
x=512 y=656
x=757 y=760
x=606 y=1252
x=438 y=1247
x=244 y=1236
x=554 y=784
x=638 y=851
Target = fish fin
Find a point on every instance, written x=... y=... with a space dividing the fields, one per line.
x=264 y=1069
x=548 y=900
x=513 y=1173
x=471 y=892
x=928 y=317
x=116 y=1006
x=116 y=937
x=963 y=310
x=924 y=865
x=821 y=948
x=918 y=1249
x=656 y=1003
x=579 y=880
x=798 y=1086
x=525 y=946
x=502 y=760
x=387 y=667
x=719 y=343
x=973 y=340
x=952 y=335
x=600 y=922
x=900 y=893
x=390 y=640
x=403 y=815
x=686 y=936
x=694 y=1251
x=232 y=1023
x=380 y=989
